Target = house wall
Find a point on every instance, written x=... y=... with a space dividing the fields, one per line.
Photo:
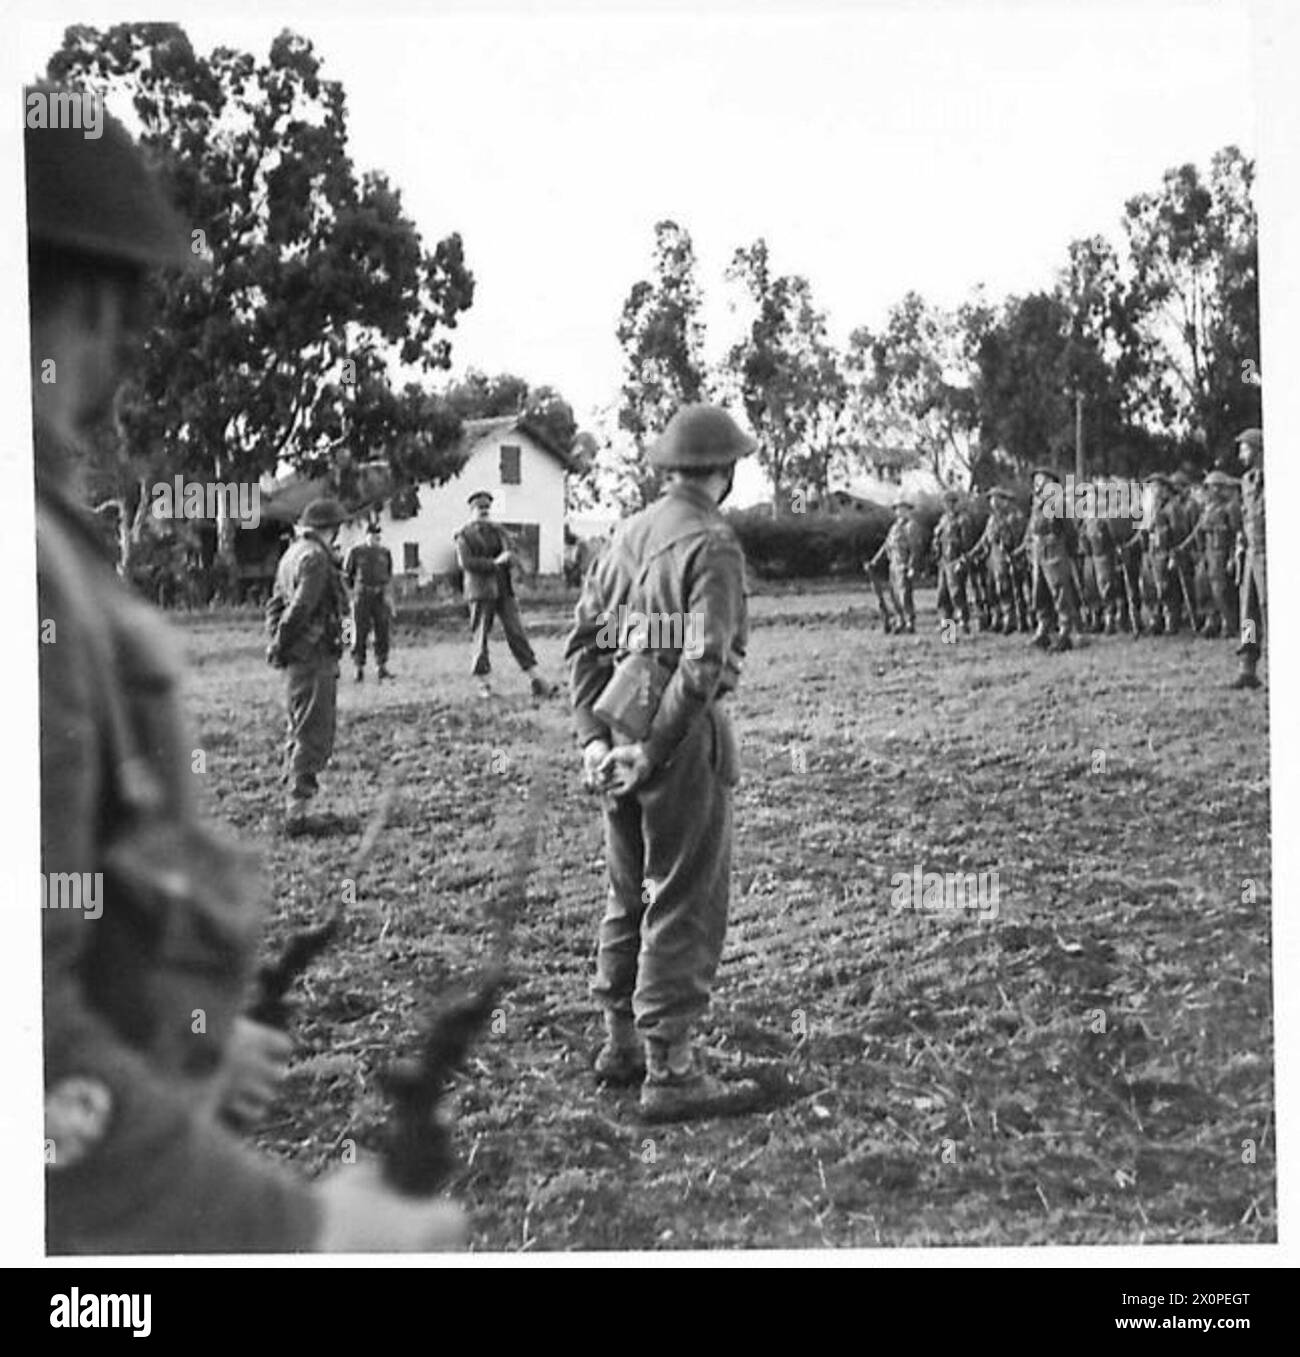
x=538 y=498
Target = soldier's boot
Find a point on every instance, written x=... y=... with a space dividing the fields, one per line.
x=1112 y=624
x=1040 y=638
x=384 y=671
x=1210 y=628
x=677 y=1089
x=485 y=687
x=621 y=1060
x=1248 y=659
x=360 y=675
x=1063 y=641
x=539 y=686
x=295 y=813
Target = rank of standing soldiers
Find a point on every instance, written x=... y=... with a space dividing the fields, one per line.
x=1183 y=556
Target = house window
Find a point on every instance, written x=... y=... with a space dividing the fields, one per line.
x=509 y=464
x=410 y=556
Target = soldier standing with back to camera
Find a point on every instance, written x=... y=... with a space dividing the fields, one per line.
x=657 y=740
x=136 y=1091
x=304 y=621
x=368 y=572
x=1252 y=554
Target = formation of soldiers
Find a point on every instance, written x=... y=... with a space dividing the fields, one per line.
x=1194 y=561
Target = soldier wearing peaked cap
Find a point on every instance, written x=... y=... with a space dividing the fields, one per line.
x=658 y=641
x=136 y=1091
x=485 y=555
x=1253 y=557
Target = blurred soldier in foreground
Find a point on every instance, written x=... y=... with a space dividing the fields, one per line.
x=304 y=621
x=485 y=557
x=1253 y=568
x=1051 y=546
x=657 y=740
x=902 y=547
x=1215 y=534
x=368 y=571
x=950 y=542
x=145 y=1051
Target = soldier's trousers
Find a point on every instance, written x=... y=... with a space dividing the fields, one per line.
x=1002 y=588
x=668 y=855
x=482 y=613
x=1054 y=597
x=1108 y=585
x=1223 y=608
x=369 y=610
x=1254 y=601
x=900 y=593
x=952 y=590
x=312 y=692
x=1168 y=593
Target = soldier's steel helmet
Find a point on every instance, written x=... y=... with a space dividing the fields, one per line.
x=949 y=495
x=323 y=513
x=97 y=196
x=373 y=529
x=999 y=493
x=701 y=436
x=1158 y=478
x=1253 y=438
x=904 y=504
x=1220 y=479
x=1181 y=479
x=485 y=495
x=1049 y=472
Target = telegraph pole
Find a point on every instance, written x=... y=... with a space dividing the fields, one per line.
x=1078 y=437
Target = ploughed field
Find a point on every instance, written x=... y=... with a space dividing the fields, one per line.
x=1081 y=1053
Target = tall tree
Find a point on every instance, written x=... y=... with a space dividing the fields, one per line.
x=662 y=339
x=912 y=386
x=780 y=369
x=318 y=285
x=1193 y=247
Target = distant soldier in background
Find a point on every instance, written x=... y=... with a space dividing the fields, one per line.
x=304 y=623
x=1251 y=554
x=1002 y=534
x=949 y=543
x=368 y=571
x=977 y=567
x=1213 y=539
x=1101 y=568
x=485 y=554
x=1155 y=541
x=1050 y=543
x=902 y=547
x=1184 y=509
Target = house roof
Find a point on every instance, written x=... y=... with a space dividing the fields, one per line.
x=473 y=431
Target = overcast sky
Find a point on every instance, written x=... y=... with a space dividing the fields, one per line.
x=877 y=147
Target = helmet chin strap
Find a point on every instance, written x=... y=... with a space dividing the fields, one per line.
x=731 y=480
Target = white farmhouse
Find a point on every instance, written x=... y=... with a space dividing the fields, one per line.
x=525 y=475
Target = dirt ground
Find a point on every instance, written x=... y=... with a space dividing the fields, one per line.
x=1090 y=1062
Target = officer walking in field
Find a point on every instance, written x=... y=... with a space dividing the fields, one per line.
x=304 y=621
x=1253 y=558
x=137 y=1090
x=368 y=571
x=651 y=716
x=485 y=556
